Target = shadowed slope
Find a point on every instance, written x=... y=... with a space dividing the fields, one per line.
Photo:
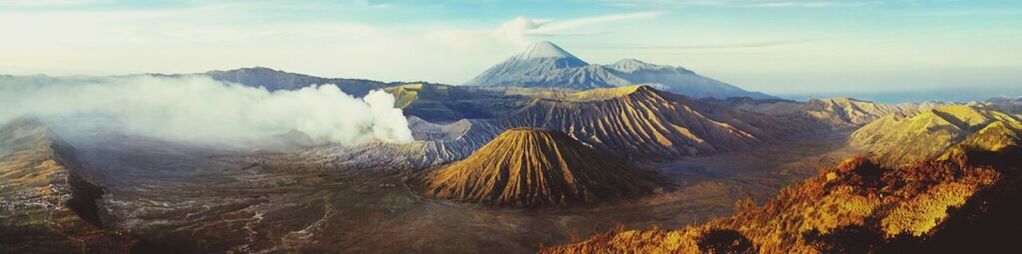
x=444 y=103
x=45 y=206
x=275 y=80
x=529 y=167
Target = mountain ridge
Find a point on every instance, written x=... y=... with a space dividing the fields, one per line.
x=556 y=68
x=906 y=139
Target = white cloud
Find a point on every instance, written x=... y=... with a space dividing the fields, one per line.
x=207 y=37
x=741 y=3
x=521 y=29
x=49 y=3
x=200 y=109
x=805 y=4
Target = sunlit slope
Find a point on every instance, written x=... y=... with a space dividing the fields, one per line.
x=38 y=193
x=526 y=167
x=964 y=202
x=900 y=139
x=639 y=121
x=854 y=112
x=837 y=112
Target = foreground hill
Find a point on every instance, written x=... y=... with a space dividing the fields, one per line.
x=964 y=202
x=526 y=167
x=47 y=207
x=905 y=139
x=546 y=65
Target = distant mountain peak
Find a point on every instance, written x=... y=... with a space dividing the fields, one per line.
x=632 y=65
x=259 y=68
x=631 y=61
x=544 y=64
x=544 y=49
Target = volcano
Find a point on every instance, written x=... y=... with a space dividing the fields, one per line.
x=545 y=65
x=527 y=167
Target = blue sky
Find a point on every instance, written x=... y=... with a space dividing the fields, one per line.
x=775 y=46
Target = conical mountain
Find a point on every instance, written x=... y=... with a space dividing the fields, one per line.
x=525 y=167
x=547 y=50
x=543 y=64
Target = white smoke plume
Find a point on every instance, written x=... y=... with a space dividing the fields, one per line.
x=197 y=108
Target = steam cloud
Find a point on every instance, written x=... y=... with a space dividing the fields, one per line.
x=197 y=108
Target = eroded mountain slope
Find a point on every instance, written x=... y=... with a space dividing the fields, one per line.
x=837 y=112
x=639 y=121
x=47 y=207
x=525 y=167
x=631 y=122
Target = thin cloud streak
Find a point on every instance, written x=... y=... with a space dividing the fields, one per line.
x=702 y=46
x=521 y=29
x=737 y=3
x=806 y=4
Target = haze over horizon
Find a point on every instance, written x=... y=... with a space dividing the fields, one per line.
x=862 y=49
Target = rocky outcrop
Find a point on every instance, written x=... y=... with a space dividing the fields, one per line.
x=47 y=206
